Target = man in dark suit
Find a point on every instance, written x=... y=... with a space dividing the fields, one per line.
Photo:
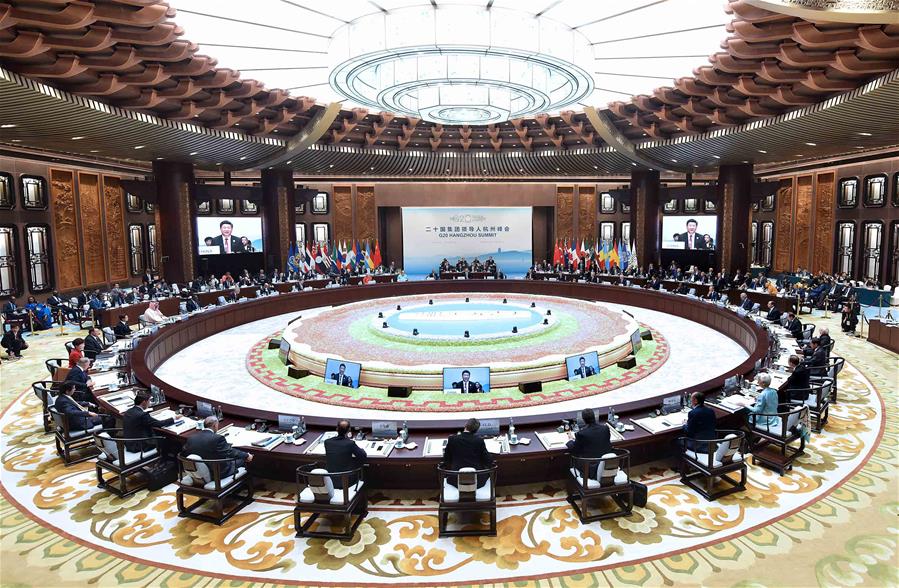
x=138 y=424
x=93 y=344
x=58 y=304
x=712 y=294
x=583 y=370
x=208 y=444
x=818 y=360
x=340 y=378
x=13 y=342
x=467 y=450
x=700 y=425
x=773 y=314
x=79 y=417
x=466 y=385
x=226 y=242
x=343 y=454
x=691 y=239
x=594 y=440
x=121 y=329
x=83 y=382
x=794 y=325
x=796 y=386
x=745 y=303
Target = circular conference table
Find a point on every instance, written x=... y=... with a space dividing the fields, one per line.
x=405 y=468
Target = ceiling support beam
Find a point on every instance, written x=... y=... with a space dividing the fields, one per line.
x=615 y=139
x=314 y=130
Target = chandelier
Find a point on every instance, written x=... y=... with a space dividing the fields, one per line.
x=460 y=64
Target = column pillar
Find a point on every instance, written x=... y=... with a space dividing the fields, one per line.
x=278 y=216
x=645 y=215
x=734 y=204
x=176 y=225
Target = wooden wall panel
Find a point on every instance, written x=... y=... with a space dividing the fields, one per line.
x=825 y=201
x=65 y=229
x=783 y=234
x=366 y=213
x=114 y=213
x=343 y=213
x=565 y=212
x=587 y=211
x=91 y=216
x=802 y=222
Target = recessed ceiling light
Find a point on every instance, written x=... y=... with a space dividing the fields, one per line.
x=859 y=147
x=220 y=163
x=410 y=169
x=863 y=134
x=7 y=126
x=17 y=140
x=372 y=169
x=810 y=144
x=193 y=152
x=158 y=158
x=595 y=167
x=762 y=151
x=95 y=151
x=77 y=138
x=140 y=146
x=634 y=164
x=289 y=161
x=674 y=160
x=717 y=156
x=332 y=165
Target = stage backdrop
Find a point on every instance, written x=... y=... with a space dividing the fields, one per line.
x=430 y=234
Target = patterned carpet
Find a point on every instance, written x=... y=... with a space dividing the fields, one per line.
x=832 y=521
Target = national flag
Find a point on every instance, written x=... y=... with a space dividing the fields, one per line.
x=613 y=256
x=632 y=261
x=351 y=256
x=557 y=253
x=588 y=258
x=376 y=256
x=600 y=257
x=291 y=251
x=338 y=256
x=625 y=256
x=606 y=254
x=368 y=260
x=583 y=248
x=307 y=259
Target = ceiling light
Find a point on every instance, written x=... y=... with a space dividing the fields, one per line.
x=158 y=158
x=859 y=147
x=95 y=151
x=140 y=146
x=332 y=165
x=7 y=126
x=77 y=138
x=193 y=152
x=762 y=151
x=810 y=144
x=864 y=134
x=289 y=161
x=717 y=156
x=16 y=140
x=244 y=157
x=674 y=160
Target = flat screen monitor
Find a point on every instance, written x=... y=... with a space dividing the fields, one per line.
x=696 y=232
x=284 y=351
x=220 y=235
x=582 y=366
x=286 y=422
x=467 y=380
x=489 y=428
x=204 y=409
x=342 y=373
x=383 y=429
x=637 y=341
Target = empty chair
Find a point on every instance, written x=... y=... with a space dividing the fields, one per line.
x=464 y=497
x=69 y=441
x=108 y=335
x=317 y=495
x=596 y=478
x=705 y=463
x=692 y=292
x=54 y=366
x=756 y=307
x=202 y=479
x=221 y=300
x=772 y=440
x=143 y=322
x=808 y=330
x=114 y=456
x=724 y=299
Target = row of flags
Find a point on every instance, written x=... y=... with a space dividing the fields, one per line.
x=326 y=257
x=606 y=254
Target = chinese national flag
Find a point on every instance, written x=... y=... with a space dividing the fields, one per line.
x=557 y=254
x=376 y=256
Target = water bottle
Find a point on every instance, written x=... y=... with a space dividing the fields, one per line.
x=404 y=433
x=218 y=413
x=611 y=417
x=302 y=429
x=575 y=427
x=513 y=438
x=296 y=432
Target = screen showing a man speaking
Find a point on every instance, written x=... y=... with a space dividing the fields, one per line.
x=226 y=235
x=696 y=233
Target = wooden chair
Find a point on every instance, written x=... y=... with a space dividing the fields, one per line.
x=46 y=391
x=704 y=463
x=54 y=365
x=69 y=441
x=818 y=401
x=808 y=331
x=317 y=495
x=773 y=444
x=831 y=371
x=115 y=457
x=203 y=480
x=466 y=496
x=610 y=478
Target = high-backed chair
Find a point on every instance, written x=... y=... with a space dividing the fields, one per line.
x=69 y=346
x=53 y=366
x=318 y=495
x=109 y=336
x=610 y=478
x=203 y=480
x=143 y=322
x=115 y=458
x=466 y=496
x=818 y=401
x=835 y=365
x=46 y=391
x=70 y=440
x=756 y=308
x=773 y=443
x=808 y=331
x=705 y=463
x=724 y=299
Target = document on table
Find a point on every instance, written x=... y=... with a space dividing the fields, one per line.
x=434 y=447
x=121 y=401
x=105 y=379
x=661 y=423
x=553 y=439
x=376 y=448
x=186 y=425
x=318 y=446
x=247 y=438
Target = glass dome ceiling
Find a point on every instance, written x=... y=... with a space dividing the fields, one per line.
x=462 y=61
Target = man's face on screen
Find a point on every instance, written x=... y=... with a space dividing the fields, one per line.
x=226 y=230
x=691 y=227
x=466 y=376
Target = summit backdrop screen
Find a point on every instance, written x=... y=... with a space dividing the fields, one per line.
x=433 y=233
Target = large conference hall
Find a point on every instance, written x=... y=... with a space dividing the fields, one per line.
x=557 y=293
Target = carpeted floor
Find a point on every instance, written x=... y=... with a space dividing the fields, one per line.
x=832 y=521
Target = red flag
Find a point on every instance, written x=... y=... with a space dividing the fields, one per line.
x=557 y=253
x=376 y=256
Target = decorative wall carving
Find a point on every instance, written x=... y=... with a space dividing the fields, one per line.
x=822 y=256
x=565 y=212
x=725 y=237
x=116 y=245
x=65 y=228
x=802 y=222
x=587 y=207
x=342 y=201
x=285 y=228
x=783 y=234
x=92 y=228
x=366 y=212
x=186 y=228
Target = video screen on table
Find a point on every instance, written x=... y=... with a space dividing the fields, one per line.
x=582 y=366
x=342 y=373
x=222 y=235
x=695 y=233
x=469 y=380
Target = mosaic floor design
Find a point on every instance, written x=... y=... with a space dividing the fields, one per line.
x=58 y=529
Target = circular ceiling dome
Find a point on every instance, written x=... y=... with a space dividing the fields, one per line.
x=461 y=63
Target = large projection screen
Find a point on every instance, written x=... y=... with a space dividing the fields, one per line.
x=432 y=233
